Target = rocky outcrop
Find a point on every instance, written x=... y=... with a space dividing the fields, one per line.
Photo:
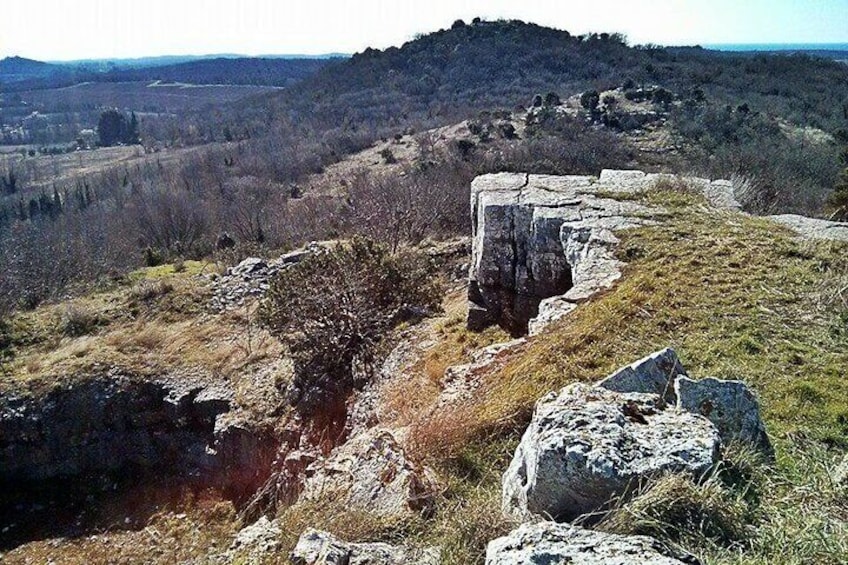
x=729 y=405
x=655 y=374
x=252 y=277
x=321 y=548
x=370 y=473
x=586 y=445
x=118 y=423
x=253 y=545
x=549 y=542
x=814 y=228
x=542 y=244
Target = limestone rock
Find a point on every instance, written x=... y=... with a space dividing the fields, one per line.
x=252 y=277
x=522 y=225
x=321 y=548
x=729 y=405
x=370 y=473
x=536 y=237
x=586 y=444
x=255 y=542
x=814 y=228
x=111 y=422
x=655 y=374
x=549 y=542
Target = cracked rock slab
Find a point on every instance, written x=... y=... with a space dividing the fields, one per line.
x=654 y=374
x=552 y=543
x=729 y=405
x=813 y=228
x=586 y=445
x=530 y=234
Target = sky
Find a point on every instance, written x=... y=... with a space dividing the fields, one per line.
x=82 y=29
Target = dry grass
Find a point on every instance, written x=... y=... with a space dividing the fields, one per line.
x=409 y=400
x=738 y=297
x=156 y=324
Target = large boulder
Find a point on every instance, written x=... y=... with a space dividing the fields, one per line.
x=370 y=473
x=535 y=237
x=552 y=543
x=654 y=374
x=586 y=445
x=321 y=548
x=730 y=405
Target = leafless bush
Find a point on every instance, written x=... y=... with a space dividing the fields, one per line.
x=754 y=196
x=171 y=219
x=334 y=310
x=427 y=202
x=76 y=321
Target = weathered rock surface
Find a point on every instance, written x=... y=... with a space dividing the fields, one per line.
x=535 y=237
x=461 y=381
x=116 y=422
x=252 y=277
x=253 y=545
x=370 y=473
x=321 y=548
x=729 y=405
x=655 y=374
x=814 y=228
x=586 y=444
x=552 y=543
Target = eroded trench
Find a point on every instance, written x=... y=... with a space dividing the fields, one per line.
x=69 y=454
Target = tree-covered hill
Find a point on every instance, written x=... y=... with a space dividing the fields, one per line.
x=504 y=63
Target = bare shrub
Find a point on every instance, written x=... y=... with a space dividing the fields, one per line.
x=752 y=194
x=148 y=290
x=170 y=219
x=425 y=202
x=335 y=309
x=77 y=321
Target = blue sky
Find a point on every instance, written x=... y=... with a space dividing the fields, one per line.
x=75 y=29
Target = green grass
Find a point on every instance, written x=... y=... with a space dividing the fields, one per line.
x=737 y=297
x=168 y=269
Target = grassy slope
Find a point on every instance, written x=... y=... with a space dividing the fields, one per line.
x=738 y=297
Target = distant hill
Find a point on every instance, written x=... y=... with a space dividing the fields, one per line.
x=238 y=71
x=17 y=74
x=456 y=72
x=106 y=65
x=16 y=69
